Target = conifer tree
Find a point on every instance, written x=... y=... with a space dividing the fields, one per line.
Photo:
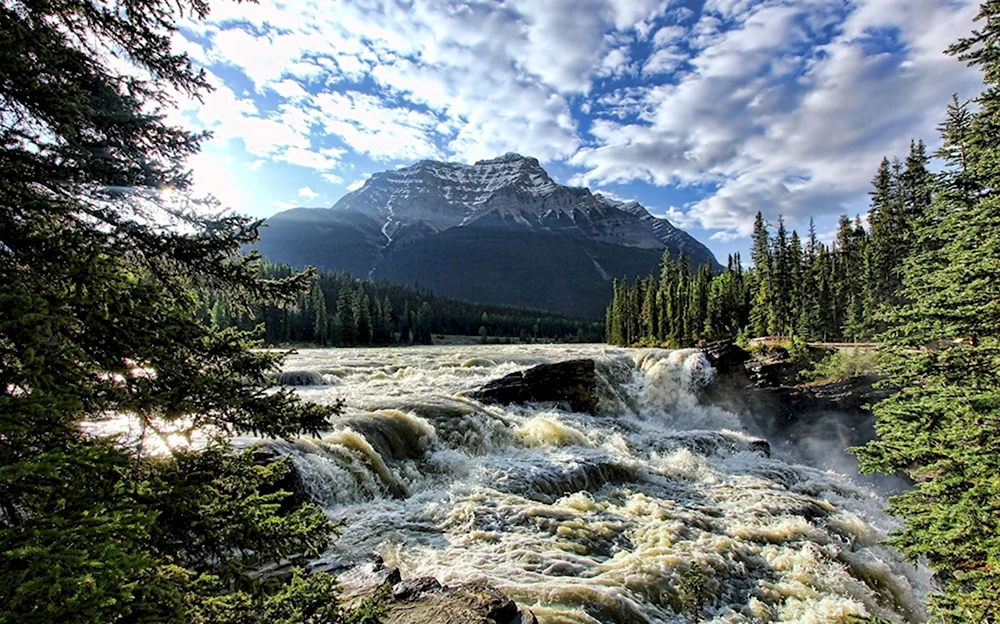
x=321 y=324
x=778 y=312
x=361 y=307
x=915 y=184
x=423 y=324
x=385 y=321
x=942 y=428
x=760 y=255
x=650 y=311
x=886 y=219
x=347 y=314
x=794 y=292
x=98 y=274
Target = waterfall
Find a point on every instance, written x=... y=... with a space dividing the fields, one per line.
x=657 y=508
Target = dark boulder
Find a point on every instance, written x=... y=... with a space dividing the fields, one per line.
x=573 y=382
x=848 y=396
x=471 y=603
x=362 y=579
x=851 y=394
x=290 y=482
x=728 y=389
x=762 y=447
x=411 y=589
x=423 y=600
x=772 y=370
x=726 y=357
x=767 y=383
x=300 y=378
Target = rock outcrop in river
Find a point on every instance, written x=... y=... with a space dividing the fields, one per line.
x=573 y=382
x=744 y=382
x=424 y=600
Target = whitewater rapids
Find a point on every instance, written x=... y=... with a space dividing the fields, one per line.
x=658 y=509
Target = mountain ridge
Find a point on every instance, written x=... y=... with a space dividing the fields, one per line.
x=392 y=228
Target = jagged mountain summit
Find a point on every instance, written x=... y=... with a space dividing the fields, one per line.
x=499 y=231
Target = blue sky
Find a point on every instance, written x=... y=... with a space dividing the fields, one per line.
x=703 y=110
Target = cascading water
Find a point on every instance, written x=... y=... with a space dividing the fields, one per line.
x=657 y=509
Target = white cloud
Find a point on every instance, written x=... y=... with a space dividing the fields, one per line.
x=612 y=195
x=307 y=193
x=664 y=61
x=616 y=63
x=370 y=127
x=668 y=35
x=289 y=89
x=322 y=160
x=472 y=79
x=262 y=137
x=261 y=58
x=779 y=125
x=726 y=236
x=353 y=186
x=760 y=104
x=631 y=13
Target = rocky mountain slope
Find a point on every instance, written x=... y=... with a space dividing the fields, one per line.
x=499 y=231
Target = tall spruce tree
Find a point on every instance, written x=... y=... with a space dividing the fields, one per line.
x=810 y=324
x=321 y=323
x=886 y=219
x=778 y=310
x=97 y=279
x=943 y=428
x=760 y=255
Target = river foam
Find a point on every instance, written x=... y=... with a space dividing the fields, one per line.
x=656 y=509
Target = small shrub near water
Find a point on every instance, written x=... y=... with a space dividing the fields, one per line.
x=842 y=364
x=798 y=350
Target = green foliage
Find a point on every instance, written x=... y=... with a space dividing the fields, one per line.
x=844 y=363
x=680 y=308
x=695 y=593
x=99 y=272
x=343 y=311
x=798 y=350
x=943 y=428
x=816 y=292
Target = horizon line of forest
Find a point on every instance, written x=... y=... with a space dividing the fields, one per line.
x=797 y=288
x=340 y=310
x=805 y=289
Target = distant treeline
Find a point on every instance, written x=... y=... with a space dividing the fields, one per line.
x=342 y=311
x=809 y=290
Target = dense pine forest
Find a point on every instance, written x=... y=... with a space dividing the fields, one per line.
x=796 y=286
x=338 y=310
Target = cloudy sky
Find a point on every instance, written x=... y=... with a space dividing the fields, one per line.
x=704 y=110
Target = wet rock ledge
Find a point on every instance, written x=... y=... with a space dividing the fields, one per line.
x=745 y=382
x=573 y=382
x=764 y=390
x=424 y=600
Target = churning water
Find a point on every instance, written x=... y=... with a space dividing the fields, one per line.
x=658 y=509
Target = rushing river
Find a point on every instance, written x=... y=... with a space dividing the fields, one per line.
x=658 y=509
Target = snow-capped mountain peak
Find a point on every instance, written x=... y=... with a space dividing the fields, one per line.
x=508 y=191
x=498 y=230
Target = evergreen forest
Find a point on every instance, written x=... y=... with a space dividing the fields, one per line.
x=795 y=286
x=338 y=310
